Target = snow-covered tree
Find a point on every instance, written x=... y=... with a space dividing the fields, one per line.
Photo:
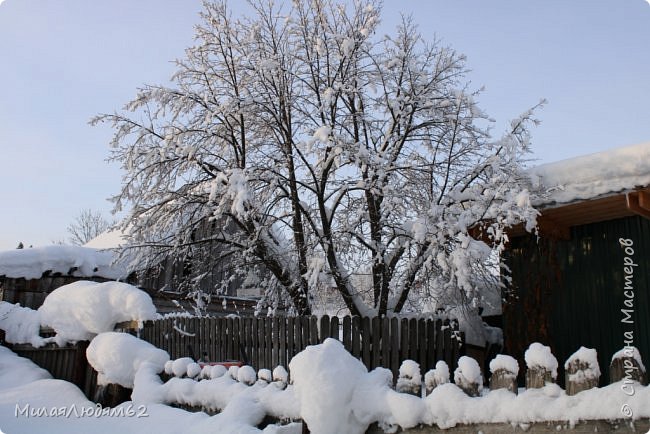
x=318 y=149
x=86 y=226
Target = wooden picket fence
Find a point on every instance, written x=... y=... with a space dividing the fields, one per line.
x=271 y=341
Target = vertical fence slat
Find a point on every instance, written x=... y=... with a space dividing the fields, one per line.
x=261 y=337
x=313 y=330
x=431 y=344
x=376 y=340
x=413 y=339
x=385 y=342
x=365 y=341
x=404 y=340
x=448 y=357
x=221 y=340
x=394 y=347
x=275 y=342
x=324 y=328
x=268 y=342
x=440 y=341
x=422 y=345
x=355 y=331
x=254 y=352
x=305 y=331
x=229 y=342
x=334 y=328
x=291 y=340
x=283 y=341
x=347 y=335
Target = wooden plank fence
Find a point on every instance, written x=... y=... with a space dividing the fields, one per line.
x=64 y=363
x=271 y=341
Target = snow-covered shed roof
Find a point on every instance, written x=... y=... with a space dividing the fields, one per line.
x=111 y=239
x=592 y=176
x=591 y=188
x=68 y=260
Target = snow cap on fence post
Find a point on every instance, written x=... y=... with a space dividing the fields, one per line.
x=504 y=370
x=217 y=371
x=435 y=377
x=205 y=372
x=280 y=377
x=193 y=370
x=541 y=366
x=264 y=376
x=246 y=375
x=410 y=379
x=232 y=371
x=627 y=365
x=468 y=376
x=179 y=366
x=581 y=371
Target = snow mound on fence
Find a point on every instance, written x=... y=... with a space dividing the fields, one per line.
x=83 y=309
x=117 y=357
x=324 y=377
x=338 y=395
x=21 y=324
x=68 y=260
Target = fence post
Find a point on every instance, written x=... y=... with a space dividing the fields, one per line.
x=468 y=376
x=627 y=365
x=504 y=371
x=435 y=377
x=541 y=366
x=581 y=371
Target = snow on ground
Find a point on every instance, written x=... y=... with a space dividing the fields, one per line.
x=27 y=390
x=31 y=263
x=82 y=309
x=331 y=390
x=590 y=176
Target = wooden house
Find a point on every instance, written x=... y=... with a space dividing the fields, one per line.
x=585 y=280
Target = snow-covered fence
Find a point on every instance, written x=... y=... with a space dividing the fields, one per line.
x=271 y=341
x=32 y=292
x=64 y=363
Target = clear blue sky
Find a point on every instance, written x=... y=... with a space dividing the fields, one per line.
x=61 y=62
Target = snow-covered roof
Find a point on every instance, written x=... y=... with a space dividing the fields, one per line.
x=595 y=175
x=111 y=239
x=68 y=260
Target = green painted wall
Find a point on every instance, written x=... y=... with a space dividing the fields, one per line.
x=570 y=293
